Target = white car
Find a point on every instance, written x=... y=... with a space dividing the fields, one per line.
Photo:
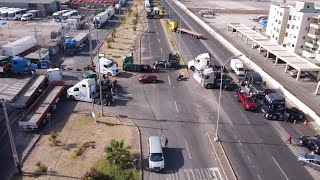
x=27 y=17
x=294 y=73
x=308 y=159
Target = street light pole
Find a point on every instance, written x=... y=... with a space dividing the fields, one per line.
x=140 y=45
x=216 y=139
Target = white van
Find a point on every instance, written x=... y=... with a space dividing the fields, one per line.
x=27 y=17
x=237 y=66
x=155 y=156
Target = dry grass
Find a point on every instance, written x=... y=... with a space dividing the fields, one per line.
x=79 y=129
x=125 y=37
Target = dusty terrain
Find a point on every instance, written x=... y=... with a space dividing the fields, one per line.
x=79 y=128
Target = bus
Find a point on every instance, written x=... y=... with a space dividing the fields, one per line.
x=156 y=13
x=4 y=13
x=66 y=16
x=57 y=15
x=16 y=14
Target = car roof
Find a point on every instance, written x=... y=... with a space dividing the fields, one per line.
x=246 y=95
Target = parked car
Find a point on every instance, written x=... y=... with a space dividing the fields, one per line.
x=312 y=143
x=308 y=159
x=148 y=78
x=294 y=114
x=294 y=73
x=231 y=86
x=27 y=17
x=246 y=100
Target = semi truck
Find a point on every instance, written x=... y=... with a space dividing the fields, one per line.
x=202 y=61
x=73 y=43
x=210 y=78
x=40 y=111
x=86 y=90
x=100 y=19
x=35 y=86
x=172 y=62
x=253 y=82
x=18 y=46
x=128 y=65
x=104 y=66
x=173 y=26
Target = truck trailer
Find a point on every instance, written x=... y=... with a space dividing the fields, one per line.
x=100 y=19
x=40 y=111
x=73 y=43
x=173 y=26
x=18 y=46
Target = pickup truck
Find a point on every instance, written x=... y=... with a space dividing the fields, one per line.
x=246 y=100
x=311 y=142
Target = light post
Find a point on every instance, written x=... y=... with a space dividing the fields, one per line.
x=216 y=139
x=140 y=45
x=253 y=29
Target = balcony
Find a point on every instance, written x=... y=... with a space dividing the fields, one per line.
x=315 y=25
x=313 y=36
x=308 y=54
x=311 y=44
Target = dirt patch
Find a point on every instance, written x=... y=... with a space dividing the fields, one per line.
x=126 y=35
x=79 y=134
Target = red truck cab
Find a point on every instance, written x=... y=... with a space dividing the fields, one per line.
x=246 y=100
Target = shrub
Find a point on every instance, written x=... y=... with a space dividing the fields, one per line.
x=41 y=168
x=94 y=174
x=53 y=138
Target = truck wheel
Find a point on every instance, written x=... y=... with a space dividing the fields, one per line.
x=192 y=68
x=109 y=74
x=71 y=97
x=96 y=101
x=209 y=86
x=274 y=117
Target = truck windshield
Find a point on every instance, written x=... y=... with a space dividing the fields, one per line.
x=64 y=18
x=4 y=14
x=240 y=69
x=11 y=14
x=155 y=157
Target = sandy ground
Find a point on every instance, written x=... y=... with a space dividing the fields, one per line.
x=125 y=38
x=76 y=130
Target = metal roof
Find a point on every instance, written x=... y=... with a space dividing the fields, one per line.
x=29 y=1
x=282 y=53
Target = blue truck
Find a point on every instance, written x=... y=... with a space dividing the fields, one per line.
x=72 y=43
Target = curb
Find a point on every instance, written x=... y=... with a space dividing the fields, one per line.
x=173 y=46
x=26 y=152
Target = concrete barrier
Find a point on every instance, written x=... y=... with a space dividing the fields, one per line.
x=272 y=82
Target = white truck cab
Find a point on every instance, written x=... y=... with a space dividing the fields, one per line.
x=237 y=66
x=106 y=66
x=83 y=90
x=201 y=62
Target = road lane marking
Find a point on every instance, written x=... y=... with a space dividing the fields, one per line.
x=249 y=159
x=161 y=49
x=259 y=177
x=187 y=148
x=155 y=27
x=159 y=40
x=240 y=142
x=169 y=80
x=216 y=155
x=245 y=117
x=157 y=33
x=175 y=103
x=280 y=168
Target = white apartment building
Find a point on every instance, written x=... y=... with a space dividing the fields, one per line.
x=277 y=22
x=289 y=25
x=312 y=48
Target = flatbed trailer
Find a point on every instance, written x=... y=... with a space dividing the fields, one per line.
x=193 y=34
x=28 y=92
x=41 y=108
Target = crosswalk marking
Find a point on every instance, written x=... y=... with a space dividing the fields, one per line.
x=195 y=174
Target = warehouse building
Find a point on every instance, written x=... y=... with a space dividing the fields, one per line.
x=45 y=7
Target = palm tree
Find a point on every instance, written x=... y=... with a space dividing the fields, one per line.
x=117 y=153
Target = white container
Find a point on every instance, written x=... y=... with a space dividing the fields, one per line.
x=19 y=46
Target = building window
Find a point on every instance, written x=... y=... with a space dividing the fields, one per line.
x=292 y=45
x=299 y=18
x=276 y=20
x=294 y=17
x=297 y=27
x=276 y=38
x=307 y=6
x=292 y=27
x=290 y=17
x=295 y=37
x=290 y=35
x=286 y=34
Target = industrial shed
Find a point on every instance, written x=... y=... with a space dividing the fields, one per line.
x=46 y=7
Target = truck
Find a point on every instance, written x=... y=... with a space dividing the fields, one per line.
x=237 y=66
x=253 y=82
x=173 y=26
x=211 y=79
x=18 y=46
x=202 y=61
x=40 y=111
x=128 y=65
x=111 y=11
x=35 y=87
x=86 y=90
x=149 y=13
x=106 y=66
x=73 y=43
x=172 y=62
x=246 y=100
x=76 y=22
x=156 y=13
x=273 y=106
x=100 y=19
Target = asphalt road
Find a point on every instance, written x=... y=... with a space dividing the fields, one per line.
x=255 y=149
x=23 y=139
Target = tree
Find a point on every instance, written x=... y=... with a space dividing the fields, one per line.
x=54 y=138
x=118 y=153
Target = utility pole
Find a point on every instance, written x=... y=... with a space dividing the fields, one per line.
x=13 y=146
x=38 y=46
x=100 y=79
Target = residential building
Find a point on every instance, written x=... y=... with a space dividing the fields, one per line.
x=289 y=25
x=277 y=22
x=312 y=48
x=45 y=7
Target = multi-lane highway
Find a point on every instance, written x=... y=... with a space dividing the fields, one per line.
x=255 y=149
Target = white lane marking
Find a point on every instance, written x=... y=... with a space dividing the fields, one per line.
x=259 y=177
x=169 y=80
x=159 y=40
x=245 y=117
x=187 y=148
x=161 y=49
x=157 y=33
x=155 y=27
x=240 y=142
x=216 y=155
x=280 y=168
x=175 y=103
x=249 y=159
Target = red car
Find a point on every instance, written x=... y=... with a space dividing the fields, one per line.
x=247 y=101
x=148 y=78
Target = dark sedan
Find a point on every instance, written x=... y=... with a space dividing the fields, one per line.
x=312 y=143
x=148 y=78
